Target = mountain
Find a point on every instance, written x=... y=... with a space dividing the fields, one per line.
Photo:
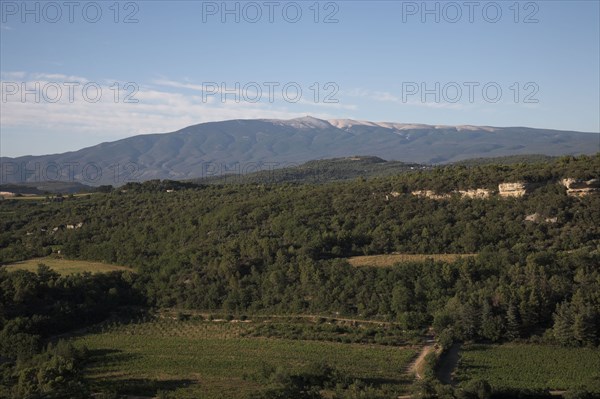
x=245 y=146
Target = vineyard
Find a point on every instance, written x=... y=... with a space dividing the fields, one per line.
x=531 y=367
x=209 y=359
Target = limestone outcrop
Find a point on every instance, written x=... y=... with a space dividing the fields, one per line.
x=537 y=218
x=430 y=194
x=580 y=188
x=517 y=189
x=481 y=193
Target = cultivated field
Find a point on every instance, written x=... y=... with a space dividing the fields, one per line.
x=522 y=366
x=65 y=266
x=392 y=259
x=213 y=359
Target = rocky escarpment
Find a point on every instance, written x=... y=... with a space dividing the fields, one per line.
x=475 y=193
x=575 y=188
x=580 y=188
x=481 y=193
x=517 y=189
x=430 y=194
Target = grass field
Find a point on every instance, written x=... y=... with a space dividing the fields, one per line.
x=65 y=266
x=210 y=359
x=392 y=259
x=523 y=366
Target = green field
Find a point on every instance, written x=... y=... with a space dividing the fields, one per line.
x=531 y=366
x=211 y=359
x=65 y=266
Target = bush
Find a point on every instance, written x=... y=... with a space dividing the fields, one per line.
x=182 y=316
x=580 y=393
x=477 y=389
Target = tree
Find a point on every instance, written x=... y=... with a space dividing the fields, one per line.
x=491 y=326
x=563 y=324
x=584 y=326
x=477 y=389
x=512 y=323
x=468 y=322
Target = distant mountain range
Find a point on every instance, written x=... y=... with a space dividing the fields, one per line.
x=246 y=146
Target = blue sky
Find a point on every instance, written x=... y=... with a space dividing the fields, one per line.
x=373 y=60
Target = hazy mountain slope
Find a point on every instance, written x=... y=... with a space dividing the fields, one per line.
x=210 y=149
x=320 y=171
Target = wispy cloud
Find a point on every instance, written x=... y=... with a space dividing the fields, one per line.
x=391 y=98
x=156 y=110
x=178 y=85
x=58 y=77
x=12 y=75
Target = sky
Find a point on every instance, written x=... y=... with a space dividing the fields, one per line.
x=78 y=73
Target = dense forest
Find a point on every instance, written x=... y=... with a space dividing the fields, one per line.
x=340 y=169
x=282 y=249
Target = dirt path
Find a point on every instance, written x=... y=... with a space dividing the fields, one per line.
x=416 y=367
x=303 y=316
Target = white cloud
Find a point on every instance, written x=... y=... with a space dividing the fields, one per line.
x=13 y=75
x=414 y=100
x=58 y=77
x=178 y=85
x=157 y=109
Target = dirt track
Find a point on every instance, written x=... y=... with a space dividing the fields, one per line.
x=417 y=365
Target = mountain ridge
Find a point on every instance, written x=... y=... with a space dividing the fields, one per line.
x=242 y=145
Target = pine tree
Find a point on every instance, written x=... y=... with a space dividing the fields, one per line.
x=468 y=321
x=563 y=324
x=584 y=328
x=490 y=326
x=512 y=323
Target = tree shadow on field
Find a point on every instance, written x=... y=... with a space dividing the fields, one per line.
x=122 y=384
x=141 y=386
x=380 y=381
x=98 y=357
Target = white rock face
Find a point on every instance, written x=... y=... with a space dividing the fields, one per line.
x=305 y=122
x=430 y=194
x=347 y=123
x=537 y=218
x=580 y=188
x=481 y=193
x=518 y=189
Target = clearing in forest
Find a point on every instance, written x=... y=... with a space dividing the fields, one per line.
x=391 y=259
x=65 y=266
x=218 y=359
x=531 y=366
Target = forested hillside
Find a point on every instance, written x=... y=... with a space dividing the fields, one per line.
x=283 y=249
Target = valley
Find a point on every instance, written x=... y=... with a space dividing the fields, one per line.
x=334 y=289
